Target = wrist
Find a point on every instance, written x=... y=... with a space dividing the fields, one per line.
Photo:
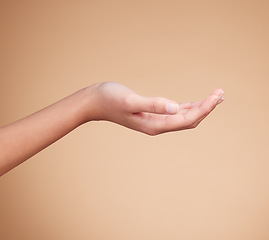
x=89 y=103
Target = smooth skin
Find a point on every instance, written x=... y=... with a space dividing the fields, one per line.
x=107 y=101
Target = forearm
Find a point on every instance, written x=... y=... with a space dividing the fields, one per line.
x=26 y=137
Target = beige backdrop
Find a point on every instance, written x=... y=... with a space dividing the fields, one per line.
x=106 y=182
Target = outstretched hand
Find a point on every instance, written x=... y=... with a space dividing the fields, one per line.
x=102 y=101
x=151 y=115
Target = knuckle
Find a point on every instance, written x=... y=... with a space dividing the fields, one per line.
x=127 y=102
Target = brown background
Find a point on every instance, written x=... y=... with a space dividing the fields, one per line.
x=103 y=181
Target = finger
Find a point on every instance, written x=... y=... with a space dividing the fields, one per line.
x=189 y=105
x=198 y=113
x=166 y=123
x=191 y=118
x=185 y=105
x=220 y=94
x=156 y=105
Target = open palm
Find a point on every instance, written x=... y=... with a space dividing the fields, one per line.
x=151 y=115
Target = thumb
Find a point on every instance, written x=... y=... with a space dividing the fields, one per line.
x=155 y=105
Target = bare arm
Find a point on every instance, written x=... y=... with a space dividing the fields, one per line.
x=104 y=101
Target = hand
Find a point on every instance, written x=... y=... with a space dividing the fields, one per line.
x=151 y=115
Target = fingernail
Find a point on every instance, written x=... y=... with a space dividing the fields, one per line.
x=172 y=108
x=220 y=93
